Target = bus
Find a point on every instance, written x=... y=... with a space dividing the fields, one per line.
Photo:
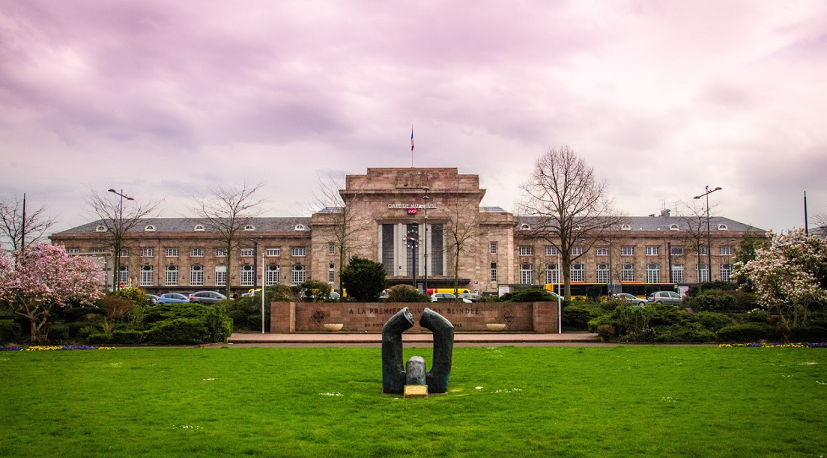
x=635 y=288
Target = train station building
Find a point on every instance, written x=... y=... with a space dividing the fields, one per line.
x=412 y=221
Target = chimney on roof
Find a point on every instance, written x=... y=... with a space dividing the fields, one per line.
x=666 y=212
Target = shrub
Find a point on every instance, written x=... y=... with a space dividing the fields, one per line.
x=10 y=331
x=757 y=316
x=630 y=319
x=667 y=315
x=606 y=331
x=219 y=326
x=748 y=332
x=688 y=332
x=713 y=321
x=577 y=317
x=812 y=333
x=696 y=289
x=116 y=307
x=242 y=310
x=135 y=295
x=602 y=319
x=82 y=314
x=712 y=300
x=529 y=295
x=59 y=333
x=172 y=311
x=315 y=291
x=179 y=331
x=99 y=339
x=128 y=336
x=406 y=293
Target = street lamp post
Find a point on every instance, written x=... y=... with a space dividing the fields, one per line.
x=708 y=231
x=425 y=199
x=118 y=240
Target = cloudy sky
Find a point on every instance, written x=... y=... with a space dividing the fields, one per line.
x=164 y=99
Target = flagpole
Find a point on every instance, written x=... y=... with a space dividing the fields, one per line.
x=412 y=146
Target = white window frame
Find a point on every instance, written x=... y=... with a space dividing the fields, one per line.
x=603 y=251
x=197 y=252
x=196 y=275
x=273 y=252
x=627 y=272
x=703 y=273
x=627 y=250
x=71 y=251
x=652 y=251
x=172 y=252
x=493 y=272
x=331 y=248
x=526 y=250
x=726 y=272
x=526 y=274
x=653 y=272
x=247 y=275
x=147 y=275
x=576 y=250
x=298 y=275
x=601 y=273
x=578 y=273
x=247 y=252
x=678 y=273
x=726 y=250
x=220 y=252
x=221 y=275
x=492 y=247
x=147 y=252
x=124 y=252
x=273 y=271
x=123 y=274
x=552 y=274
x=298 y=252
x=551 y=250
x=331 y=273
x=171 y=275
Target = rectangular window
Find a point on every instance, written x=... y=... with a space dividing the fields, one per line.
x=493 y=272
x=172 y=252
x=123 y=274
x=247 y=276
x=125 y=252
x=601 y=252
x=628 y=272
x=526 y=274
x=299 y=275
x=526 y=250
x=247 y=252
x=171 y=276
x=147 y=252
x=703 y=273
x=652 y=251
x=627 y=251
x=331 y=248
x=702 y=250
x=576 y=250
x=653 y=273
x=677 y=250
x=726 y=272
x=678 y=273
x=146 y=276
x=98 y=250
x=726 y=251
x=272 y=274
x=220 y=275
x=196 y=275
x=273 y=252
x=552 y=274
x=492 y=246
x=71 y=251
x=197 y=252
x=331 y=273
x=551 y=250
x=577 y=272
x=221 y=252
x=299 y=251
x=602 y=273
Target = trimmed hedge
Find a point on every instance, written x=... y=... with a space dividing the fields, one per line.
x=577 y=317
x=689 y=332
x=179 y=331
x=747 y=332
x=59 y=333
x=128 y=337
x=10 y=331
x=80 y=314
x=713 y=321
x=99 y=339
x=811 y=333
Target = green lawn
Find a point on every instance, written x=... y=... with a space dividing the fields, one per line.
x=503 y=401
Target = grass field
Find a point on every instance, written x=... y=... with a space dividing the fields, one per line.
x=503 y=401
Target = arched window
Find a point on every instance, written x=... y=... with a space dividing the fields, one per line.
x=300 y=227
x=299 y=275
x=249 y=227
x=673 y=227
x=171 y=275
x=247 y=275
x=198 y=228
x=272 y=274
x=625 y=227
x=149 y=228
x=722 y=227
x=100 y=228
x=196 y=275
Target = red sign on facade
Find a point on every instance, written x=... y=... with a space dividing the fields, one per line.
x=411 y=211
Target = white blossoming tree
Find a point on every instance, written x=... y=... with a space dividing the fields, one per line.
x=34 y=280
x=790 y=277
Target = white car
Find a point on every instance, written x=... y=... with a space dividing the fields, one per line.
x=445 y=297
x=630 y=299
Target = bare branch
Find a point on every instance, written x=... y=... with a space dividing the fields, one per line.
x=37 y=223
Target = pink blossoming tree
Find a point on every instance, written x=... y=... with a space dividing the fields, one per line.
x=789 y=277
x=39 y=278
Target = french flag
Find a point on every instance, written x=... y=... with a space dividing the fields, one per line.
x=412 y=144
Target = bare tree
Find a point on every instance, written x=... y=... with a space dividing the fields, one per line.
x=119 y=214
x=339 y=219
x=461 y=229
x=22 y=226
x=567 y=206
x=695 y=235
x=227 y=211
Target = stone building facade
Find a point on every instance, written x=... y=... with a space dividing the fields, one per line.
x=411 y=220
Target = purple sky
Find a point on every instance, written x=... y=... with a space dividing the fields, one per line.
x=163 y=99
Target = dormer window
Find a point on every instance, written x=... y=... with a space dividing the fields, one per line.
x=249 y=227
x=625 y=227
x=722 y=227
x=100 y=228
x=198 y=228
x=300 y=227
x=150 y=228
x=673 y=227
x=524 y=227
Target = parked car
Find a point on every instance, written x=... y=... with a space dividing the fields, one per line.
x=206 y=297
x=335 y=295
x=446 y=297
x=152 y=299
x=628 y=298
x=172 y=298
x=470 y=296
x=665 y=297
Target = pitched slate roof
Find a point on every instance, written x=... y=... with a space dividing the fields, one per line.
x=261 y=224
x=661 y=223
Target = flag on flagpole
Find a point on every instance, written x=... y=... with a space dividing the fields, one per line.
x=412 y=144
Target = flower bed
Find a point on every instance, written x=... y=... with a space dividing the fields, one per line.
x=53 y=347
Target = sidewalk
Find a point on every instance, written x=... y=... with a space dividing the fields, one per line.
x=375 y=339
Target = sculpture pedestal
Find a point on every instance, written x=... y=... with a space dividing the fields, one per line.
x=416 y=391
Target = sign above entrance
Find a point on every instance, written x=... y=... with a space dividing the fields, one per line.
x=407 y=206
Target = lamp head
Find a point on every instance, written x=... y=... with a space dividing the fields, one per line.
x=112 y=190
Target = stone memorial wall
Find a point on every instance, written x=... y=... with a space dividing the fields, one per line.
x=288 y=317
